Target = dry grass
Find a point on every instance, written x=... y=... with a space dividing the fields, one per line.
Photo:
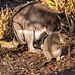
x=5 y=22
x=61 y=4
x=6 y=16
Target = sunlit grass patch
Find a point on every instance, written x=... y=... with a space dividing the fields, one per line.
x=5 y=22
x=61 y=4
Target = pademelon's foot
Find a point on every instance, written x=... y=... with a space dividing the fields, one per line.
x=62 y=57
x=35 y=51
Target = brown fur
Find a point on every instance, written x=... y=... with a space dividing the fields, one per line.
x=52 y=47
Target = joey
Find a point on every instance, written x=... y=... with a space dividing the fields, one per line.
x=52 y=47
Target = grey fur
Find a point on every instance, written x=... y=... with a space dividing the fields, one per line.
x=33 y=18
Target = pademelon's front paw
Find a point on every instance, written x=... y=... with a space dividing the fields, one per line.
x=58 y=58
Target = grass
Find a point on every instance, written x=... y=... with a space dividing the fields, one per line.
x=5 y=22
x=61 y=4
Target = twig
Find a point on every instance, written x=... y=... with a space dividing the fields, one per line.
x=56 y=1
x=69 y=38
x=66 y=31
x=73 y=51
x=62 y=24
x=67 y=16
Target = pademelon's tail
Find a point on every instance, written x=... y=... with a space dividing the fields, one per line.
x=5 y=44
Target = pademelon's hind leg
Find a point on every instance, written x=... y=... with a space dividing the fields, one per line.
x=31 y=47
x=30 y=38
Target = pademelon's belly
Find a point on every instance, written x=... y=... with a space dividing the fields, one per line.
x=56 y=53
x=39 y=34
x=33 y=34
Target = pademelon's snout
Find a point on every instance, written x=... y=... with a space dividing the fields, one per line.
x=63 y=40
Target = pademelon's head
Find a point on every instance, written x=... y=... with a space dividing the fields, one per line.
x=62 y=38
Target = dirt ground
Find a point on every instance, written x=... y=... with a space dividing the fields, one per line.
x=18 y=61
